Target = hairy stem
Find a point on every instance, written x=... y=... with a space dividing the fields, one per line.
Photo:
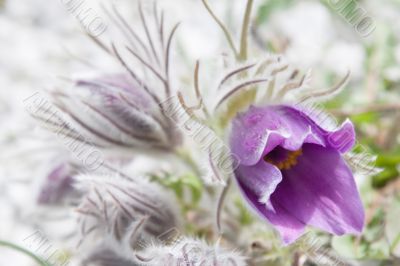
x=245 y=30
x=24 y=251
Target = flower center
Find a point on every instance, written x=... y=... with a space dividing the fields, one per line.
x=282 y=158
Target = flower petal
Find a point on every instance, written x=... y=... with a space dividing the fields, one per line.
x=253 y=132
x=320 y=191
x=260 y=130
x=342 y=138
x=257 y=183
x=289 y=227
x=260 y=179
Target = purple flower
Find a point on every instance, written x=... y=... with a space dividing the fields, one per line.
x=292 y=171
x=112 y=111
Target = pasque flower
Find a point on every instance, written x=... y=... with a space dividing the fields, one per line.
x=122 y=109
x=292 y=171
x=117 y=113
x=124 y=209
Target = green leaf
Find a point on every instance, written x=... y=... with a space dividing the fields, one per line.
x=179 y=184
x=369 y=117
x=387 y=175
x=245 y=217
x=195 y=185
x=385 y=160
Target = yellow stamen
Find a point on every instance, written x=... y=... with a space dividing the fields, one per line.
x=288 y=163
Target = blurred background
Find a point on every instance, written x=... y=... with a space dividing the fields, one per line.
x=42 y=42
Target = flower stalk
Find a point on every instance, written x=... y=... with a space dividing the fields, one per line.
x=245 y=30
x=24 y=251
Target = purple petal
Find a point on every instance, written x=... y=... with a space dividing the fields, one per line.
x=260 y=130
x=255 y=131
x=320 y=191
x=261 y=179
x=289 y=227
x=341 y=139
x=257 y=183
